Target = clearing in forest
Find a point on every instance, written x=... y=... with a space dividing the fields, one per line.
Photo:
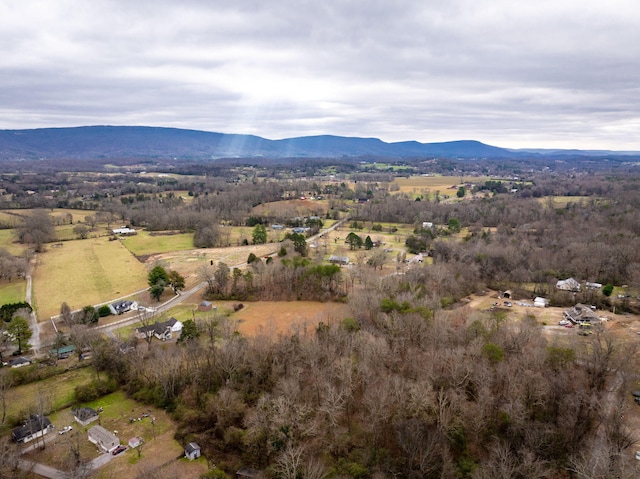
x=84 y=272
x=287 y=317
x=292 y=208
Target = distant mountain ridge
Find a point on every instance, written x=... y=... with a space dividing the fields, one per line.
x=105 y=142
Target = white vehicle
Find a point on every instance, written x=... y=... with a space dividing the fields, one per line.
x=65 y=429
x=563 y=322
x=637 y=455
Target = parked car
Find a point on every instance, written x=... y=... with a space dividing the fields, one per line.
x=563 y=322
x=119 y=449
x=568 y=325
x=65 y=430
x=637 y=455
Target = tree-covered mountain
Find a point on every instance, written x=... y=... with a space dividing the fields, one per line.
x=105 y=142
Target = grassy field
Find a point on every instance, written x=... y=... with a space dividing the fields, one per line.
x=7 y=238
x=85 y=272
x=561 y=201
x=12 y=292
x=57 y=392
x=428 y=185
x=146 y=243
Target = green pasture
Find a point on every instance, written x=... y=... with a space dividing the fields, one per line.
x=84 y=272
x=7 y=241
x=12 y=292
x=56 y=392
x=146 y=243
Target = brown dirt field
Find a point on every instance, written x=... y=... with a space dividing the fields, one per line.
x=286 y=317
x=292 y=208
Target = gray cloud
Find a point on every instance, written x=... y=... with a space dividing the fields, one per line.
x=546 y=74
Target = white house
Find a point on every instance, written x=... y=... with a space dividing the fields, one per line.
x=103 y=438
x=124 y=231
x=427 y=224
x=34 y=427
x=568 y=284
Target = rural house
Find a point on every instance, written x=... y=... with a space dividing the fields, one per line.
x=192 y=451
x=34 y=427
x=338 y=259
x=568 y=284
x=84 y=415
x=63 y=352
x=124 y=231
x=161 y=330
x=581 y=314
x=104 y=439
x=19 y=362
x=120 y=307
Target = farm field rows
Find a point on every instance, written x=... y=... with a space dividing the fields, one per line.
x=85 y=272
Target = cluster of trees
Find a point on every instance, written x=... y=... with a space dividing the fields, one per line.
x=12 y=266
x=159 y=279
x=401 y=388
x=14 y=327
x=290 y=277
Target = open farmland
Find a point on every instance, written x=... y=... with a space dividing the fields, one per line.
x=85 y=272
x=147 y=243
x=428 y=185
x=187 y=263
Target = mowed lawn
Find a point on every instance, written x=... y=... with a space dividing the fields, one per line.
x=146 y=243
x=12 y=292
x=85 y=272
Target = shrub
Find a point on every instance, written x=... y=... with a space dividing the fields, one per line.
x=104 y=310
x=94 y=390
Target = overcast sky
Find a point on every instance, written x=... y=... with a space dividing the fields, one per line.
x=543 y=73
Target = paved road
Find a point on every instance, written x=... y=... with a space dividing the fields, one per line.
x=42 y=470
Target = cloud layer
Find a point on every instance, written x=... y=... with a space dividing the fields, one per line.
x=556 y=73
